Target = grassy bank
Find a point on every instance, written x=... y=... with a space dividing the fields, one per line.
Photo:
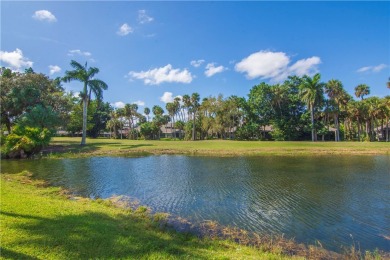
x=66 y=146
x=39 y=222
x=43 y=222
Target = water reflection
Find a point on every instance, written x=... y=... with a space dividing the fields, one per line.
x=330 y=199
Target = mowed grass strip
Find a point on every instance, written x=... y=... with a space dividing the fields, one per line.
x=37 y=222
x=63 y=145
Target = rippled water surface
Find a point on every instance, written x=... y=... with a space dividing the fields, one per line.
x=337 y=200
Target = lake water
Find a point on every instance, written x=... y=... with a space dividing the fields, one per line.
x=337 y=200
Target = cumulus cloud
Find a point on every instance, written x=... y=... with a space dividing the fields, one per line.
x=377 y=68
x=263 y=64
x=44 y=15
x=168 y=97
x=125 y=29
x=143 y=17
x=54 y=69
x=211 y=70
x=118 y=104
x=197 y=63
x=139 y=103
x=164 y=74
x=275 y=66
x=79 y=52
x=15 y=59
x=305 y=66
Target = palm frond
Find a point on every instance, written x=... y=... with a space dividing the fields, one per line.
x=92 y=71
x=97 y=83
x=79 y=75
x=76 y=65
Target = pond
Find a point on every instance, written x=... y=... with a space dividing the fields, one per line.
x=337 y=200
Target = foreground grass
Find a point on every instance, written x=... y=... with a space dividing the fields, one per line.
x=37 y=222
x=66 y=146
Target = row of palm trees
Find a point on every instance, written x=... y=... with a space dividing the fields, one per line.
x=367 y=111
x=216 y=116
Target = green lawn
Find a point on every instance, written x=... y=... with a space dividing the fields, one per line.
x=214 y=147
x=38 y=222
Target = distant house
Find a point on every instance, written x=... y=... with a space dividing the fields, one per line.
x=381 y=132
x=169 y=130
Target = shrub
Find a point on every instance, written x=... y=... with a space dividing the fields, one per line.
x=25 y=141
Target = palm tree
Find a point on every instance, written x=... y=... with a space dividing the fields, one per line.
x=187 y=104
x=194 y=108
x=131 y=113
x=121 y=114
x=386 y=102
x=113 y=123
x=388 y=84
x=373 y=111
x=86 y=76
x=147 y=112
x=171 y=108
x=311 y=92
x=334 y=89
x=362 y=90
x=158 y=117
x=176 y=102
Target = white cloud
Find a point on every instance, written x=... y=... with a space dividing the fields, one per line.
x=139 y=103
x=211 y=70
x=364 y=69
x=197 y=63
x=44 y=15
x=377 y=68
x=118 y=104
x=15 y=59
x=143 y=17
x=125 y=29
x=168 y=97
x=305 y=66
x=54 y=69
x=79 y=52
x=275 y=66
x=263 y=64
x=164 y=74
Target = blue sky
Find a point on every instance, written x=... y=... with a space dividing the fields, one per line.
x=150 y=52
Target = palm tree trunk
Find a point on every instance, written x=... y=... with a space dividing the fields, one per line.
x=381 y=130
x=387 y=129
x=84 y=136
x=173 y=128
x=312 y=124
x=336 y=134
x=358 y=129
x=193 y=128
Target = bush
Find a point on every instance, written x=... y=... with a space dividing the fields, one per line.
x=26 y=141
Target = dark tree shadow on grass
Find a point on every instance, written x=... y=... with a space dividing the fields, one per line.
x=98 y=235
x=11 y=254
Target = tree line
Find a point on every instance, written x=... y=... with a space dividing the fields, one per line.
x=34 y=107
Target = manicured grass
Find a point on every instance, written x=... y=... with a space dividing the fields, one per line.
x=67 y=145
x=37 y=222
